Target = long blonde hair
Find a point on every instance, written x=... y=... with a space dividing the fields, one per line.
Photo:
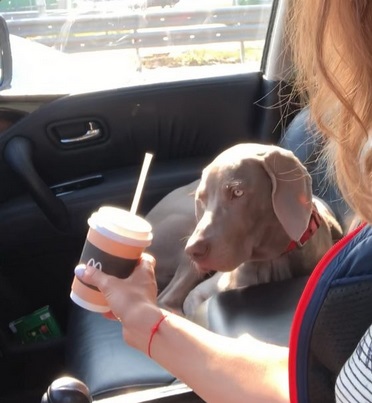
x=331 y=43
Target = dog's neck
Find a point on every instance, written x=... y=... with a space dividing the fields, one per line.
x=314 y=224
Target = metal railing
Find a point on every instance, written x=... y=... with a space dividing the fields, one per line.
x=155 y=28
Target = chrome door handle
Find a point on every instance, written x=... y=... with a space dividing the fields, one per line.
x=93 y=132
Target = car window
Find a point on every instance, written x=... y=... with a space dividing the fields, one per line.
x=73 y=46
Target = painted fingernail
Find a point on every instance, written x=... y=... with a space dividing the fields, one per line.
x=149 y=258
x=80 y=270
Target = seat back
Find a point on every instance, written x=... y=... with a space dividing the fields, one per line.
x=304 y=141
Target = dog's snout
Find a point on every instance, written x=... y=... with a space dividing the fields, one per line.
x=197 y=250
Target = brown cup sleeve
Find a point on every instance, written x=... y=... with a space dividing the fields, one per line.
x=109 y=264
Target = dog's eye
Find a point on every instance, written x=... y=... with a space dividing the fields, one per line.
x=234 y=190
x=237 y=193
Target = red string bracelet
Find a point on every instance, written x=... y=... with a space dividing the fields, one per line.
x=154 y=329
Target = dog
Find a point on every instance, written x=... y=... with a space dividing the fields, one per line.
x=250 y=219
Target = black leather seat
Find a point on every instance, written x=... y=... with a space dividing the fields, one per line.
x=98 y=356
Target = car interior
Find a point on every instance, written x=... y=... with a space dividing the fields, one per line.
x=50 y=183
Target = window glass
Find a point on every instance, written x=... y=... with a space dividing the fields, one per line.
x=72 y=46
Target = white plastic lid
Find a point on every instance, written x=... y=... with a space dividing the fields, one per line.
x=121 y=226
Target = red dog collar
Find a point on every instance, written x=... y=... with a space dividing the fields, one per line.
x=314 y=224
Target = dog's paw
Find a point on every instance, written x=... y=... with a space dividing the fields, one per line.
x=203 y=291
x=192 y=301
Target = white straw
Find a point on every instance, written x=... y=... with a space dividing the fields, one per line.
x=141 y=181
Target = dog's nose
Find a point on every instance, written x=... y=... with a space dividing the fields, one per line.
x=197 y=250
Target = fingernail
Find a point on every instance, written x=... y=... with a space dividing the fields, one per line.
x=80 y=270
x=149 y=258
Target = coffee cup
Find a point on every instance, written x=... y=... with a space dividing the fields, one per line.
x=115 y=241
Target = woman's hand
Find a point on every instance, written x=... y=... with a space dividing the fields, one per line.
x=132 y=300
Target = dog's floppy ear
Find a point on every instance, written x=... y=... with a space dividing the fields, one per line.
x=291 y=191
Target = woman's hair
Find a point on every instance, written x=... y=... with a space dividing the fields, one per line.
x=331 y=44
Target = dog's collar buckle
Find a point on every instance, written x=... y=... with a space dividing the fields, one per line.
x=314 y=224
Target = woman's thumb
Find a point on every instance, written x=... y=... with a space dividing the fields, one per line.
x=89 y=275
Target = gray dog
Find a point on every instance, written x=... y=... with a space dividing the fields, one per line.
x=251 y=219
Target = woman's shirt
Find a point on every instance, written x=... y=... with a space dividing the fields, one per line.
x=354 y=383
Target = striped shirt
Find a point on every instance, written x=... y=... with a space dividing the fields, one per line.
x=354 y=383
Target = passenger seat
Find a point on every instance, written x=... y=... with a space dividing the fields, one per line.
x=97 y=354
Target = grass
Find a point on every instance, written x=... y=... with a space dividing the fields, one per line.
x=201 y=57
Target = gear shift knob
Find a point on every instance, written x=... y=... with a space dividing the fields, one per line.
x=67 y=390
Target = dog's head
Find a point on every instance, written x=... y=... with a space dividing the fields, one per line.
x=252 y=201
